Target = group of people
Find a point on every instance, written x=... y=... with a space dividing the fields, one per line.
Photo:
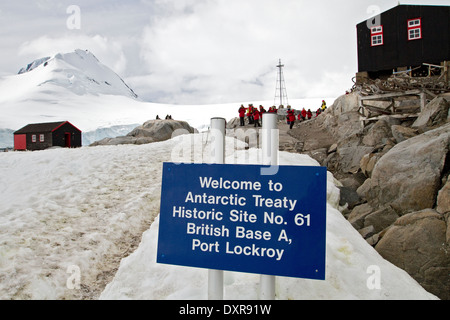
x=168 y=117
x=303 y=115
x=254 y=115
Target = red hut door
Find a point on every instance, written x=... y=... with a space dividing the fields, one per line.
x=20 y=142
x=68 y=138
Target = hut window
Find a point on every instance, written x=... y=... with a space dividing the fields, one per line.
x=376 y=36
x=33 y=138
x=415 y=29
x=41 y=138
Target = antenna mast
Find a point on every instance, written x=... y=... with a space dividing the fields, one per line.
x=280 y=91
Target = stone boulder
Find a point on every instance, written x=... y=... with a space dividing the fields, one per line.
x=408 y=177
x=435 y=114
x=417 y=244
x=378 y=134
x=160 y=130
x=151 y=131
x=402 y=133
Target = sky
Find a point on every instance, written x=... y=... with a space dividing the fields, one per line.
x=199 y=51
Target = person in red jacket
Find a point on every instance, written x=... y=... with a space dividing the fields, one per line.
x=250 y=114
x=242 y=115
x=309 y=114
x=256 y=116
x=291 y=118
x=303 y=114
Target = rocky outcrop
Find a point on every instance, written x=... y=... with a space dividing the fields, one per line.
x=408 y=177
x=151 y=131
x=396 y=189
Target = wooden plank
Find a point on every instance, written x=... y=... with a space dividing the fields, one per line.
x=391 y=95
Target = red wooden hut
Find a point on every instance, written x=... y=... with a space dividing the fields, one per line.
x=41 y=136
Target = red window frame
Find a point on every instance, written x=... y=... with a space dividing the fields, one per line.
x=412 y=29
x=376 y=33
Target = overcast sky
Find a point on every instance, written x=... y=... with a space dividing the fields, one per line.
x=198 y=51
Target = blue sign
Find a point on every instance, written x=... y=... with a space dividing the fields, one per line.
x=230 y=217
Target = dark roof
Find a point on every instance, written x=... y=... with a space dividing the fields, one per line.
x=42 y=127
x=403 y=6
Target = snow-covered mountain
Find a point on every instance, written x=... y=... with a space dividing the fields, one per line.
x=80 y=72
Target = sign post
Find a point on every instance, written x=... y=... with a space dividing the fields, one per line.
x=215 y=277
x=270 y=147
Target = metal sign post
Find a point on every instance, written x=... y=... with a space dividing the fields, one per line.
x=215 y=277
x=270 y=147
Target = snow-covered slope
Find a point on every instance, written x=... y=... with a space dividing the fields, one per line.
x=73 y=211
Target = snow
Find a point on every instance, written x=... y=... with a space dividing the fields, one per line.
x=90 y=207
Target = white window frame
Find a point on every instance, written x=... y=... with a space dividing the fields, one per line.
x=376 y=38
x=413 y=23
x=33 y=138
x=414 y=29
x=378 y=29
x=41 y=138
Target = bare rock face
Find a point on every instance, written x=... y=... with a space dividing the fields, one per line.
x=417 y=243
x=409 y=176
x=434 y=114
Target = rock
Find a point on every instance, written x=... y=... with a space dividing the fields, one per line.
x=151 y=131
x=408 y=177
x=435 y=113
x=407 y=172
x=378 y=134
x=417 y=244
x=333 y=148
x=373 y=240
x=160 y=130
x=443 y=199
x=359 y=214
x=353 y=181
x=401 y=133
x=350 y=197
x=345 y=103
x=367 y=232
x=320 y=155
x=367 y=163
x=381 y=219
x=349 y=158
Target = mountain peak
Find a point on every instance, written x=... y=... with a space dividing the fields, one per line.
x=80 y=72
x=33 y=65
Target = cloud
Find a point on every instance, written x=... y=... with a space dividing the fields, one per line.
x=199 y=51
x=224 y=50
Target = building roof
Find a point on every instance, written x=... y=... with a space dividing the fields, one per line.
x=402 y=6
x=43 y=127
